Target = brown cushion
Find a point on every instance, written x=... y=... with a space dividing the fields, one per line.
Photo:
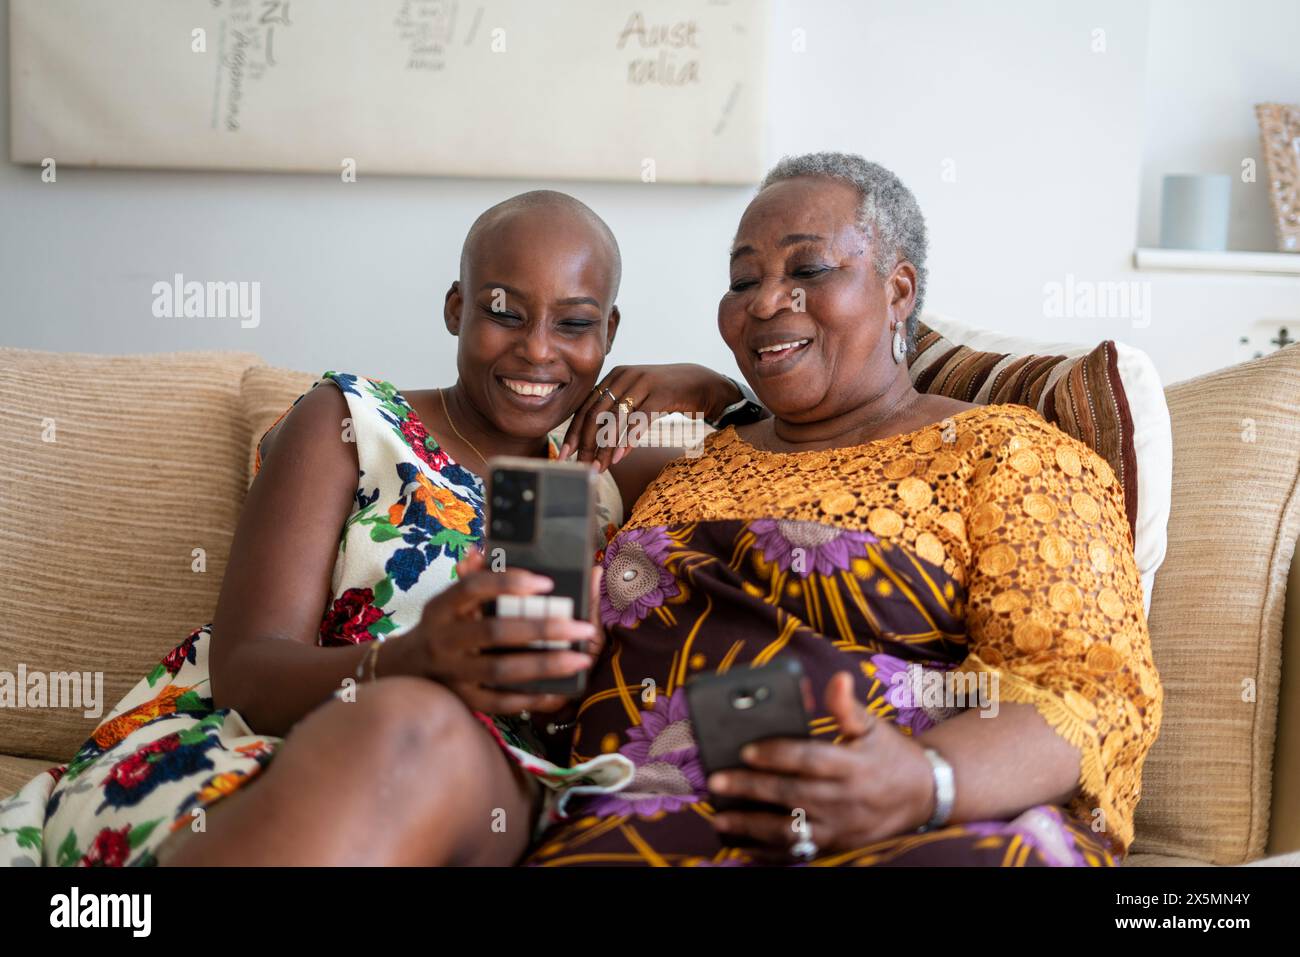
x=266 y=393
x=1216 y=613
x=98 y=527
x=1082 y=396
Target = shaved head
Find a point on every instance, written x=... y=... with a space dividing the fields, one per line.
x=533 y=310
x=547 y=205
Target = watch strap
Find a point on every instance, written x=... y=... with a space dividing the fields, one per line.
x=743 y=411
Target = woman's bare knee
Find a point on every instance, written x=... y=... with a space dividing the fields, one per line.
x=403 y=774
x=392 y=720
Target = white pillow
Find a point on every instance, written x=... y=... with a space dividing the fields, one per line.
x=1153 y=440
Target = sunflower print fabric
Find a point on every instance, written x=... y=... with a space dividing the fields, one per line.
x=990 y=552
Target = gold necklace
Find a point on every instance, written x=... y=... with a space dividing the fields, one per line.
x=443 y=398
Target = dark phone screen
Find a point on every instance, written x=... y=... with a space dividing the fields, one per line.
x=541 y=520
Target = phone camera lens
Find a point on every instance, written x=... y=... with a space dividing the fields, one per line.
x=514 y=498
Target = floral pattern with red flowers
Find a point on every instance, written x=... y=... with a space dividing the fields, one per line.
x=109 y=849
x=416 y=434
x=349 y=619
x=178 y=656
x=165 y=751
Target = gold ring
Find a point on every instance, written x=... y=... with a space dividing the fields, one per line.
x=628 y=404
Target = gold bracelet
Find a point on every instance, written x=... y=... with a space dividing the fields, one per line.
x=372 y=656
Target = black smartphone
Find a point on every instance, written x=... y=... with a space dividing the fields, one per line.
x=731 y=710
x=542 y=518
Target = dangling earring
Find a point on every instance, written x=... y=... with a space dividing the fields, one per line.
x=900 y=344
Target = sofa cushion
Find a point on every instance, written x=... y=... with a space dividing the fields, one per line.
x=1216 y=613
x=16 y=772
x=1162 y=860
x=1107 y=396
x=266 y=393
x=117 y=470
x=1284 y=825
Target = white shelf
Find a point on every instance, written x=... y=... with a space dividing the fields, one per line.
x=1228 y=261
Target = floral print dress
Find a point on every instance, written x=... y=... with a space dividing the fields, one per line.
x=164 y=752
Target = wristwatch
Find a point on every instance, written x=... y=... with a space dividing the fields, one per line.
x=945 y=792
x=745 y=410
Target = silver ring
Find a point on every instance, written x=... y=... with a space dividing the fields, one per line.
x=804 y=849
x=612 y=397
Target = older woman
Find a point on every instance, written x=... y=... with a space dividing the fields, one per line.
x=889 y=540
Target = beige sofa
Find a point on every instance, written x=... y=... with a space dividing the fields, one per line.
x=121 y=479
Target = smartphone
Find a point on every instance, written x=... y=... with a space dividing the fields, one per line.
x=541 y=517
x=731 y=710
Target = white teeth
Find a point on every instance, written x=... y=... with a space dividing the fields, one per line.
x=784 y=345
x=520 y=387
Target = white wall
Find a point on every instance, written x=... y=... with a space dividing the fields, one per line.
x=1045 y=135
x=1209 y=63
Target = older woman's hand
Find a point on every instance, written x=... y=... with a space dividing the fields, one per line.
x=872 y=785
x=603 y=433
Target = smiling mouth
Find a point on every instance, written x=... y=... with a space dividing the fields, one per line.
x=531 y=390
x=781 y=350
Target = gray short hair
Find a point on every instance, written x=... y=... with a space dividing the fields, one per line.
x=888 y=212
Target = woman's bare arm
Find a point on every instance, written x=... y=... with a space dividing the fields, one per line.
x=1005 y=764
x=264 y=662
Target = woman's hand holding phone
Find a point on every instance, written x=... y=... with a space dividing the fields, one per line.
x=475 y=655
x=873 y=784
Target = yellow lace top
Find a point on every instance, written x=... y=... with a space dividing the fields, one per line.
x=1030 y=521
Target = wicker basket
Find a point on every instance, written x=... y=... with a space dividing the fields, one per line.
x=1279 y=133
